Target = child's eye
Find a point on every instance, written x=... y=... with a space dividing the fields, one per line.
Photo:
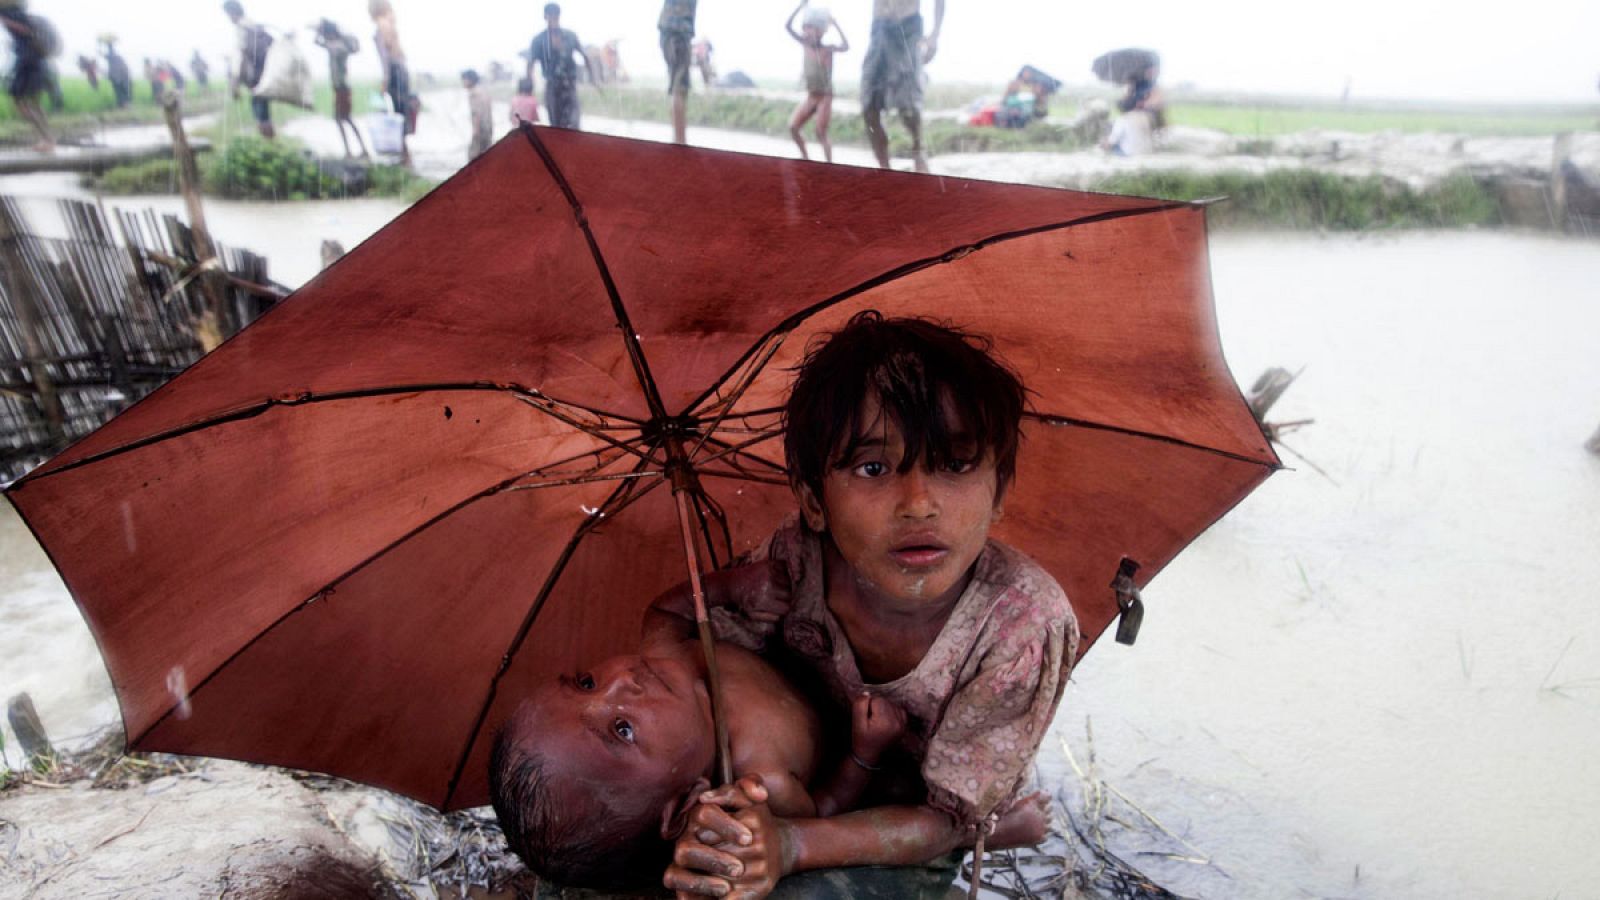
x=584 y=681
x=961 y=466
x=623 y=729
x=871 y=469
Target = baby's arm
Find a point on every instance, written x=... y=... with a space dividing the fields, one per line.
x=761 y=587
x=736 y=847
x=875 y=724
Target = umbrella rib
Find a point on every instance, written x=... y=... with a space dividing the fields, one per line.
x=624 y=496
x=728 y=403
x=901 y=271
x=308 y=399
x=630 y=338
x=744 y=476
x=1059 y=421
x=600 y=461
x=730 y=449
x=705 y=503
x=332 y=586
x=546 y=406
x=584 y=479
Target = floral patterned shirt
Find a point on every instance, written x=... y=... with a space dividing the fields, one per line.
x=978 y=703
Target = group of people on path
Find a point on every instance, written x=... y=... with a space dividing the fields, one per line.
x=891 y=76
x=254 y=43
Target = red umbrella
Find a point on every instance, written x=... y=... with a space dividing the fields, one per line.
x=463 y=458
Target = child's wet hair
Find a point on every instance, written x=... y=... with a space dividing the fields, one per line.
x=570 y=840
x=941 y=386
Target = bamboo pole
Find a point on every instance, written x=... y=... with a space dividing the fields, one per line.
x=212 y=280
x=27 y=311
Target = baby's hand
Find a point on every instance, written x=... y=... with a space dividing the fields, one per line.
x=764 y=587
x=875 y=724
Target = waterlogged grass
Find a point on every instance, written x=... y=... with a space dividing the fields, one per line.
x=770 y=116
x=250 y=168
x=1270 y=121
x=1304 y=199
x=86 y=110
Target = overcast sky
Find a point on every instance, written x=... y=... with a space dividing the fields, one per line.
x=1531 y=51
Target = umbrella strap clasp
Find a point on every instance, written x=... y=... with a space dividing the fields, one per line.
x=1128 y=601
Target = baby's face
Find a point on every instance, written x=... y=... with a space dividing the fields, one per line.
x=630 y=724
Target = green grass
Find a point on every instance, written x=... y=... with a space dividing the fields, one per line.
x=1270 y=121
x=246 y=167
x=87 y=110
x=1304 y=199
x=770 y=116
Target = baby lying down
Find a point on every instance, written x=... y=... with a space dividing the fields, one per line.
x=595 y=774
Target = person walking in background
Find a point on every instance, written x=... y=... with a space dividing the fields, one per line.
x=117 y=72
x=891 y=74
x=253 y=44
x=524 y=106
x=29 y=69
x=677 y=31
x=700 y=51
x=90 y=67
x=552 y=50
x=396 y=76
x=201 y=71
x=339 y=46
x=153 y=75
x=482 y=110
x=818 y=75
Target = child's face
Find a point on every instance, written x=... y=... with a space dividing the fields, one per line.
x=631 y=724
x=812 y=33
x=912 y=535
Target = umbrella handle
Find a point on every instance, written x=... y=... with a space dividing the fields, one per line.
x=702 y=621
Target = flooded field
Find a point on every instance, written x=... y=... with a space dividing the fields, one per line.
x=1378 y=679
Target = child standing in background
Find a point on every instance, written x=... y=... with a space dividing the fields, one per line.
x=524 y=106
x=818 y=75
x=482 y=110
x=339 y=46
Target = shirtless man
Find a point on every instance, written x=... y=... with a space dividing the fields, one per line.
x=891 y=74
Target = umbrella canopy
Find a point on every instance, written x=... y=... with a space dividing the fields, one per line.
x=350 y=539
x=1121 y=66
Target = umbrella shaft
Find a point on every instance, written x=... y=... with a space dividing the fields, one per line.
x=707 y=645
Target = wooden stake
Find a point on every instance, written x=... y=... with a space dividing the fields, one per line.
x=213 y=282
x=30 y=731
x=1560 y=151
